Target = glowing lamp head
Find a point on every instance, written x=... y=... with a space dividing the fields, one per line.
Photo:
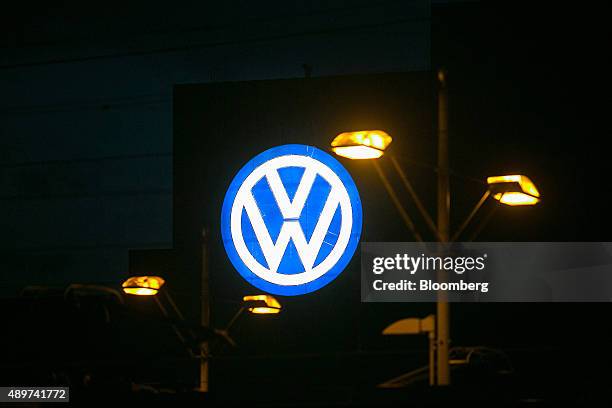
x=143 y=285
x=365 y=144
x=513 y=190
x=262 y=304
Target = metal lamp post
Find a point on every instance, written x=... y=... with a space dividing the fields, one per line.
x=510 y=190
x=442 y=306
x=262 y=304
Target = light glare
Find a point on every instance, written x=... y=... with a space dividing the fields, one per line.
x=516 y=198
x=264 y=310
x=140 y=291
x=357 y=152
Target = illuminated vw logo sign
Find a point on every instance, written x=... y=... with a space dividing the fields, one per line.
x=291 y=220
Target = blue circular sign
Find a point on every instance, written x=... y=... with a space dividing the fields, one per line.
x=291 y=220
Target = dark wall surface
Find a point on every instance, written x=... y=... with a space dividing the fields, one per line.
x=86 y=110
x=519 y=104
x=218 y=128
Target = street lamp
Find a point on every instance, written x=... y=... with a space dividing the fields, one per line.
x=511 y=190
x=254 y=304
x=414 y=325
x=365 y=144
x=261 y=304
x=143 y=285
x=151 y=286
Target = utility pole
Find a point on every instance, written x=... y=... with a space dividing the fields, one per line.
x=205 y=315
x=442 y=306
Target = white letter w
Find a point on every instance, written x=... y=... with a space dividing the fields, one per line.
x=291 y=228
